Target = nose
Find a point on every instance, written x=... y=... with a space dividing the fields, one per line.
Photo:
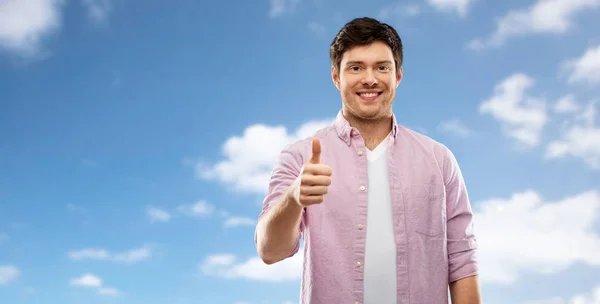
x=369 y=78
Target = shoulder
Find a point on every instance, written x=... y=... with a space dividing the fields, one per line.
x=300 y=148
x=422 y=141
x=427 y=146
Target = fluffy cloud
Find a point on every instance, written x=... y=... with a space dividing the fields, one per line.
x=566 y=104
x=249 y=158
x=526 y=234
x=227 y=266
x=108 y=291
x=591 y=297
x=523 y=116
x=461 y=7
x=8 y=273
x=579 y=138
x=127 y=257
x=158 y=215
x=89 y=280
x=198 y=209
x=542 y=17
x=236 y=221
x=586 y=68
x=24 y=24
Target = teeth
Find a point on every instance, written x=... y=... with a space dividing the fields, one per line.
x=368 y=95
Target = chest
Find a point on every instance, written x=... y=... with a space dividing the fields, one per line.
x=409 y=190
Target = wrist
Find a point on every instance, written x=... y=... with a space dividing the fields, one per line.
x=294 y=194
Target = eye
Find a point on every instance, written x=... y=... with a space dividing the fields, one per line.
x=384 y=68
x=354 y=68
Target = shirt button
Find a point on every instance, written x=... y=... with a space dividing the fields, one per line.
x=362 y=188
x=357 y=264
x=360 y=152
x=356 y=302
x=360 y=226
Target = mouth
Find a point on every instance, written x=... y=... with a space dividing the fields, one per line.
x=369 y=95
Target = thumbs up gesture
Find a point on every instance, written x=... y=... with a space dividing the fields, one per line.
x=315 y=179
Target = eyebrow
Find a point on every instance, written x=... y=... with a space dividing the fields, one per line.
x=362 y=62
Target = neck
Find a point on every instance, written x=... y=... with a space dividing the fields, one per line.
x=373 y=131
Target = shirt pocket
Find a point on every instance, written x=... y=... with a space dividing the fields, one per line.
x=428 y=208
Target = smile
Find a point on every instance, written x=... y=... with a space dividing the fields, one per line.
x=369 y=96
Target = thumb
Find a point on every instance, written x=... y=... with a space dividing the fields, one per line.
x=316 y=151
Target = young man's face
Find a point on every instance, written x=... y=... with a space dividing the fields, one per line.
x=367 y=80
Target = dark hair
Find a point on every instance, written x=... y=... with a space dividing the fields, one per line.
x=363 y=31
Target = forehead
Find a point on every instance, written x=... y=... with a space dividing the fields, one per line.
x=376 y=51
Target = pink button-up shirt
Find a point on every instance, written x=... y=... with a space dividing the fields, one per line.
x=432 y=217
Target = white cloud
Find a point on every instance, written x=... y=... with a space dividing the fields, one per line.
x=226 y=266
x=580 y=139
x=542 y=17
x=566 y=104
x=281 y=7
x=158 y=215
x=97 y=10
x=525 y=234
x=198 y=209
x=8 y=273
x=108 y=291
x=592 y=297
x=132 y=256
x=249 y=159
x=585 y=69
x=24 y=24
x=461 y=7
x=127 y=257
x=523 y=117
x=87 y=280
x=455 y=126
x=235 y=221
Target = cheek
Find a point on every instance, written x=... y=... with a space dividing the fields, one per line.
x=350 y=82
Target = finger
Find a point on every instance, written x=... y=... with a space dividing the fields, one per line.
x=311 y=199
x=314 y=190
x=318 y=169
x=316 y=151
x=315 y=180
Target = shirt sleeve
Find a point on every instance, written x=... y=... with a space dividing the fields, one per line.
x=462 y=244
x=286 y=172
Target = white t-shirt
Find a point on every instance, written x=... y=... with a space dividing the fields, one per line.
x=380 y=255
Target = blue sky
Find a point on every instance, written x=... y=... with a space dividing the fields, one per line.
x=136 y=139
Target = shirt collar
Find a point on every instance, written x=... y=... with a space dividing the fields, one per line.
x=345 y=131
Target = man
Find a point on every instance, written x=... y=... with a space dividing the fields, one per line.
x=383 y=211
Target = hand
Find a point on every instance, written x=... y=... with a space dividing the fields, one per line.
x=315 y=179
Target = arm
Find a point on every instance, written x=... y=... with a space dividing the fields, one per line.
x=278 y=229
x=465 y=291
x=462 y=262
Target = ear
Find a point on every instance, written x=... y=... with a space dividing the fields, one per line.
x=399 y=76
x=335 y=77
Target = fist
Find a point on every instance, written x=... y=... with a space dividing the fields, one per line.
x=315 y=179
